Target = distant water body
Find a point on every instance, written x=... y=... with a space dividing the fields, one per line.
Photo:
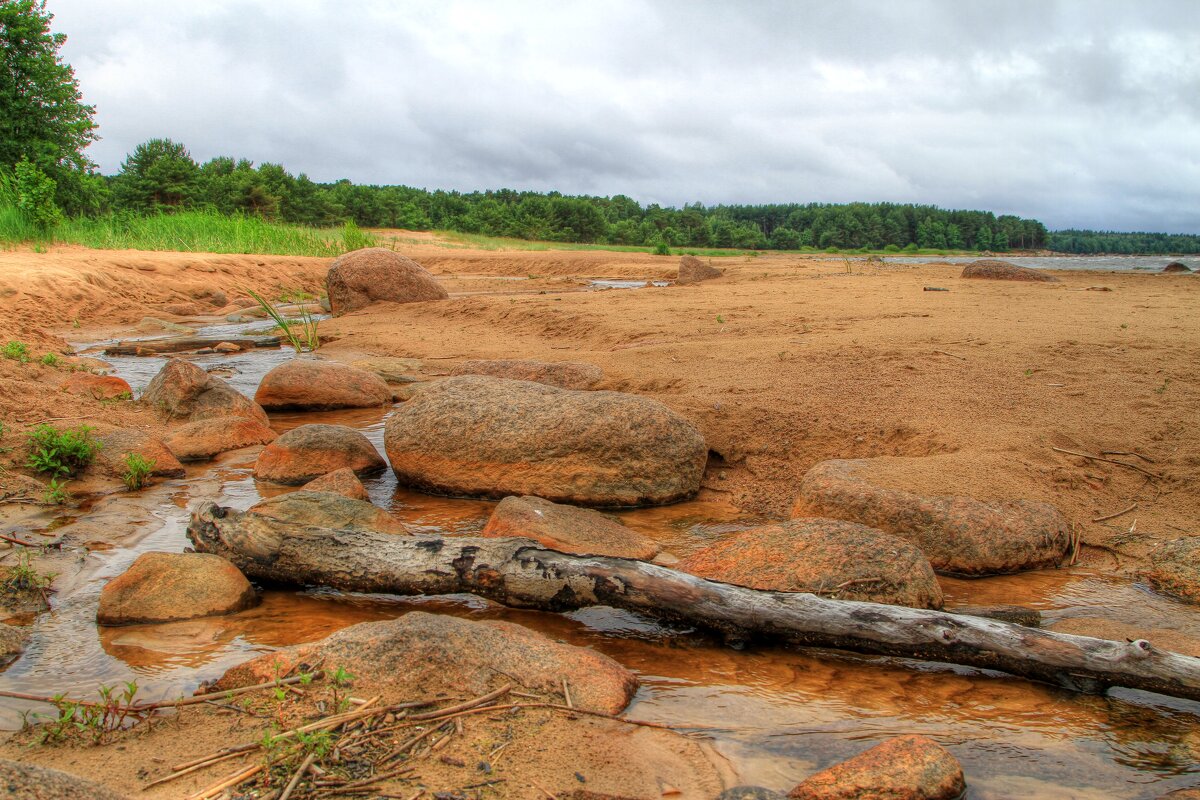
x=1102 y=263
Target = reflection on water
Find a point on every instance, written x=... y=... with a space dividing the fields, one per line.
x=777 y=714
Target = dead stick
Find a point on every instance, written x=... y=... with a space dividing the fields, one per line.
x=14 y=540
x=461 y=706
x=944 y=353
x=1107 y=460
x=1147 y=459
x=201 y=698
x=1114 y=516
x=544 y=790
x=227 y=783
x=191 y=769
x=567 y=692
x=298 y=775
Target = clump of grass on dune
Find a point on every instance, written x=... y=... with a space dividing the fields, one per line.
x=483 y=242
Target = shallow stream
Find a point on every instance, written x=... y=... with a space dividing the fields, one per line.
x=776 y=714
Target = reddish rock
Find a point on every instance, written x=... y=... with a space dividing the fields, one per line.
x=447 y=655
x=959 y=535
x=329 y=510
x=206 y=438
x=311 y=451
x=181 y=390
x=490 y=437
x=829 y=557
x=99 y=387
x=312 y=385
x=993 y=269
x=904 y=768
x=1176 y=266
x=362 y=277
x=564 y=375
x=568 y=529
x=693 y=270
x=340 y=481
x=1175 y=568
x=116 y=443
x=23 y=781
x=227 y=347
x=163 y=587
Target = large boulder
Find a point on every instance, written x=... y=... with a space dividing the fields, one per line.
x=367 y=276
x=205 y=438
x=828 y=557
x=310 y=451
x=567 y=529
x=436 y=654
x=98 y=387
x=490 y=437
x=693 y=270
x=181 y=390
x=996 y=270
x=904 y=768
x=341 y=481
x=1176 y=266
x=117 y=443
x=22 y=781
x=328 y=510
x=164 y=587
x=311 y=385
x=1175 y=568
x=959 y=535
x=564 y=374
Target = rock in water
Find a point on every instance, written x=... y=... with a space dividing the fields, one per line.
x=564 y=375
x=693 y=270
x=904 y=768
x=749 y=793
x=341 y=481
x=1176 y=266
x=959 y=535
x=362 y=277
x=116 y=443
x=99 y=387
x=1175 y=568
x=490 y=437
x=206 y=438
x=163 y=587
x=993 y=269
x=20 y=781
x=311 y=451
x=181 y=390
x=435 y=654
x=829 y=557
x=568 y=529
x=329 y=510
x=307 y=384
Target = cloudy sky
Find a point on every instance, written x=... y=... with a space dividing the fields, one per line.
x=1081 y=114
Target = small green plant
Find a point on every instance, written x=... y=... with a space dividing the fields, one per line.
x=16 y=351
x=90 y=720
x=23 y=577
x=56 y=492
x=1029 y=373
x=339 y=681
x=1163 y=389
x=75 y=323
x=61 y=453
x=51 y=360
x=301 y=334
x=661 y=248
x=720 y=320
x=137 y=470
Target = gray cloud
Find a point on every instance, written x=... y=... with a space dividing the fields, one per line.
x=1082 y=114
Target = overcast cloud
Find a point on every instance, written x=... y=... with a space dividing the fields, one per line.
x=1082 y=114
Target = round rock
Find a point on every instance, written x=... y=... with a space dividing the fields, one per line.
x=163 y=587
x=181 y=390
x=99 y=387
x=311 y=385
x=996 y=270
x=328 y=510
x=206 y=438
x=568 y=529
x=310 y=451
x=21 y=781
x=362 y=277
x=693 y=270
x=116 y=443
x=904 y=768
x=340 y=481
x=1175 y=568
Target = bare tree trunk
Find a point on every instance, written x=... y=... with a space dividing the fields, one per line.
x=519 y=573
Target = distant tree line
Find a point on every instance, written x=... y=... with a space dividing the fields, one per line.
x=1073 y=241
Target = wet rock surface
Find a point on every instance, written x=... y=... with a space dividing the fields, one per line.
x=750 y=793
x=568 y=529
x=959 y=535
x=370 y=275
x=442 y=653
x=206 y=438
x=308 y=384
x=328 y=510
x=832 y=558
x=490 y=437
x=693 y=270
x=181 y=390
x=310 y=451
x=996 y=270
x=564 y=375
x=162 y=587
x=1175 y=568
x=904 y=768
x=20 y=781
x=341 y=481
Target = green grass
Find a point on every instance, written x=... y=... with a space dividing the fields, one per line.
x=478 y=241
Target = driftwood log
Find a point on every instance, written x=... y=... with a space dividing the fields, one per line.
x=522 y=574
x=179 y=344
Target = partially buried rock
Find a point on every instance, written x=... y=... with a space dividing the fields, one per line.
x=749 y=793
x=21 y=781
x=993 y=269
x=426 y=655
x=328 y=510
x=99 y=387
x=117 y=443
x=564 y=375
x=181 y=390
x=1176 y=266
x=311 y=385
x=227 y=347
x=828 y=557
x=311 y=451
x=693 y=270
x=340 y=481
x=959 y=535
x=206 y=438
x=568 y=529
x=163 y=587
x=1175 y=568
x=904 y=768
x=490 y=437
x=362 y=277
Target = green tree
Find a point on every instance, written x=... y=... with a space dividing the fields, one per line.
x=158 y=175
x=42 y=115
x=35 y=196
